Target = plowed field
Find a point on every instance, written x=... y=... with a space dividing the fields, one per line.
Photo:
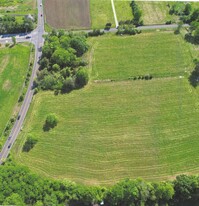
x=67 y=14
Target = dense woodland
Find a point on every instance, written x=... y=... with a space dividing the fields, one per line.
x=20 y=187
x=61 y=66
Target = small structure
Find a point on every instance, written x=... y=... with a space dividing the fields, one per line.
x=29 y=16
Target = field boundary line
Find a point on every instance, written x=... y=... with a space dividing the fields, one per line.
x=114 y=13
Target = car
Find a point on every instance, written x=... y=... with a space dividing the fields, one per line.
x=28 y=37
x=41 y=15
x=9 y=137
x=40 y=4
x=9 y=145
x=18 y=117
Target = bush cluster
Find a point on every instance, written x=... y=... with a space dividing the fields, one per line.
x=95 y=32
x=20 y=187
x=127 y=29
x=61 y=66
x=141 y=77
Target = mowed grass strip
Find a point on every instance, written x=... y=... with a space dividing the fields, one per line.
x=161 y=54
x=110 y=131
x=154 y=12
x=67 y=14
x=123 y=10
x=13 y=70
x=101 y=13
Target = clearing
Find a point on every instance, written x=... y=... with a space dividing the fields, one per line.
x=113 y=130
x=67 y=14
x=134 y=55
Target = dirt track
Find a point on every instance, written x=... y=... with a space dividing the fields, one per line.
x=67 y=14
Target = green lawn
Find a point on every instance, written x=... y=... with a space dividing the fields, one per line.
x=101 y=13
x=123 y=10
x=110 y=131
x=160 y=54
x=14 y=64
x=154 y=12
x=113 y=130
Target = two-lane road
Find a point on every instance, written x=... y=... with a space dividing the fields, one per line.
x=37 y=40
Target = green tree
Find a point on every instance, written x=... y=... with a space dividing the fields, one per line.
x=51 y=121
x=63 y=57
x=79 y=44
x=187 y=9
x=68 y=85
x=14 y=199
x=81 y=78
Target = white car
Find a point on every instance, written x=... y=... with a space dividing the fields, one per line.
x=40 y=4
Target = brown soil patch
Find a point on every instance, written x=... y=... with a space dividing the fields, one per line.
x=67 y=14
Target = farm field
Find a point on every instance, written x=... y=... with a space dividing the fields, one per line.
x=123 y=129
x=101 y=13
x=133 y=56
x=113 y=130
x=123 y=10
x=154 y=12
x=67 y=14
x=14 y=64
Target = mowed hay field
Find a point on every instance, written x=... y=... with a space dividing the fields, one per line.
x=109 y=131
x=161 y=54
x=113 y=130
x=13 y=69
x=67 y=14
x=101 y=13
x=154 y=12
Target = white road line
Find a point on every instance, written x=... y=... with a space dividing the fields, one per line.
x=114 y=12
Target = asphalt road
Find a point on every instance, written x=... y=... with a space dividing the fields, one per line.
x=37 y=40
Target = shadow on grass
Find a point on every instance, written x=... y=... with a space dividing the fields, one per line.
x=194 y=77
x=46 y=128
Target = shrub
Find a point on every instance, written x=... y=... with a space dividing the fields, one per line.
x=30 y=143
x=51 y=122
x=95 y=32
x=81 y=78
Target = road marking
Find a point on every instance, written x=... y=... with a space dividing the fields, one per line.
x=114 y=12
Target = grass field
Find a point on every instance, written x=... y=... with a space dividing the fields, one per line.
x=14 y=64
x=154 y=12
x=67 y=14
x=123 y=10
x=133 y=56
x=112 y=130
x=101 y=13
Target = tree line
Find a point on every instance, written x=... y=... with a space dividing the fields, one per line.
x=21 y=187
x=62 y=67
x=9 y=25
